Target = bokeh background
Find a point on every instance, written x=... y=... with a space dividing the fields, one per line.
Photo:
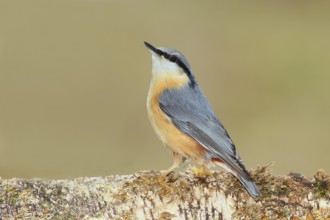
x=74 y=77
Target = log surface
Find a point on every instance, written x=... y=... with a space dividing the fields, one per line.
x=150 y=195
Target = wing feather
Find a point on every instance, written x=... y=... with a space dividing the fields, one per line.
x=191 y=113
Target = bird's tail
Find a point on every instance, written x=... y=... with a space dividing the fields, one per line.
x=247 y=182
x=250 y=186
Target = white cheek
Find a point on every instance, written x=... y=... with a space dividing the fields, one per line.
x=162 y=66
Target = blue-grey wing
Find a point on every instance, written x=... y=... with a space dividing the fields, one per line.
x=191 y=113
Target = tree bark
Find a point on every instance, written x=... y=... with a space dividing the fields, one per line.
x=150 y=195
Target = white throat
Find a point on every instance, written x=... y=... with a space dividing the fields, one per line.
x=160 y=65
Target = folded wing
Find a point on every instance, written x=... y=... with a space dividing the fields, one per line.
x=191 y=113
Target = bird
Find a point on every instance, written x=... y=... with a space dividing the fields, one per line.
x=184 y=120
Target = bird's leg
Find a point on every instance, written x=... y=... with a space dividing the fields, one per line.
x=178 y=160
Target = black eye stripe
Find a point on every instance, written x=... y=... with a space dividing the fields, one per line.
x=173 y=59
x=176 y=60
x=169 y=57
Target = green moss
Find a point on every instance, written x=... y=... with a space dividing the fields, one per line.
x=321 y=185
x=56 y=200
x=321 y=188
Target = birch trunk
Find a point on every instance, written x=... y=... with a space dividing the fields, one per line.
x=149 y=195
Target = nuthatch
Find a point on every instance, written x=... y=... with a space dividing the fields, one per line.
x=184 y=120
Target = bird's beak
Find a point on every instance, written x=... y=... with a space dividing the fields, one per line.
x=153 y=49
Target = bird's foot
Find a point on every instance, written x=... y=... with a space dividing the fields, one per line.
x=201 y=172
x=169 y=170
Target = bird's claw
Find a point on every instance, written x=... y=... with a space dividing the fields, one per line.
x=201 y=172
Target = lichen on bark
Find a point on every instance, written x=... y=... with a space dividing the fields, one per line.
x=151 y=195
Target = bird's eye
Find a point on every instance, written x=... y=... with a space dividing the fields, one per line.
x=173 y=58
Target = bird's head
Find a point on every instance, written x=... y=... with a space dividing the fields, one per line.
x=169 y=61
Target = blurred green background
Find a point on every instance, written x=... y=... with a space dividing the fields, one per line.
x=74 y=76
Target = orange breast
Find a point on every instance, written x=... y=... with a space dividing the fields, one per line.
x=165 y=129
